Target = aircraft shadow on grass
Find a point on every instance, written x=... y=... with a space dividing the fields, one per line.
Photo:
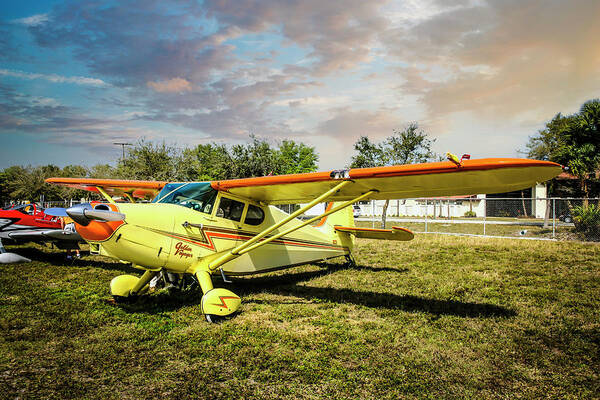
x=287 y=285
x=58 y=258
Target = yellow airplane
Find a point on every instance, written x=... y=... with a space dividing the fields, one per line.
x=233 y=228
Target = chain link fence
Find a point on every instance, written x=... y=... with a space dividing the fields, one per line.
x=526 y=218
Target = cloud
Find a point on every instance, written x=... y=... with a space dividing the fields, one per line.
x=312 y=68
x=186 y=55
x=78 y=80
x=502 y=59
x=347 y=124
x=339 y=35
x=33 y=20
x=175 y=85
x=135 y=42
x=8 y=48
x=25 y=113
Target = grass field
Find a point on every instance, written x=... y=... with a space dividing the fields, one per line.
x=517 y=228
x=438 y=317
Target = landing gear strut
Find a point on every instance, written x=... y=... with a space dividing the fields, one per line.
x=350 y=261
x=216 y=303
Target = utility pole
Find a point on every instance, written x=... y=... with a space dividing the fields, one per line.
x=122 y=144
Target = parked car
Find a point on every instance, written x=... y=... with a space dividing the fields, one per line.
x=356 y=210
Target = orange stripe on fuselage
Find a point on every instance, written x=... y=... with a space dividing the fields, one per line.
x=209 y=244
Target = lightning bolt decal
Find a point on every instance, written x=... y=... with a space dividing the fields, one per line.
x=223 y=298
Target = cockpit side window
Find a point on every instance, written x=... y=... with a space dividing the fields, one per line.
x=199 y=196
x=254 y=216
x=230 y=209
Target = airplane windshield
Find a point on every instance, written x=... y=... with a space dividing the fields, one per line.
x=199 y=196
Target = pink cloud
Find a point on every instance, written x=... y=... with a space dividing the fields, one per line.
x=175 y=85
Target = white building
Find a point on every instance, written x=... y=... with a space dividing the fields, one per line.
x=446 y=207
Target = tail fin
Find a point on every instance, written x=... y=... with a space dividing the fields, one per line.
x=344 y=217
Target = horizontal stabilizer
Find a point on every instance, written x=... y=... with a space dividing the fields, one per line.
x=396 y=233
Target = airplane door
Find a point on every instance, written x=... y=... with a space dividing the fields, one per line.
x=229 y=218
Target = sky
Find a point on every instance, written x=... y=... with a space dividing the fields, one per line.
x=479 y=76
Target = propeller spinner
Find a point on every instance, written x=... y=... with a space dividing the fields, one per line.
x=85 y=213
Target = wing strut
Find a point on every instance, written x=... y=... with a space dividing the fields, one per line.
x=234 y=253
x=310 y=221
x=254 y=242
x=106 y=195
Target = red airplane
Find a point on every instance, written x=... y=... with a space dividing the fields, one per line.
x=29 y=223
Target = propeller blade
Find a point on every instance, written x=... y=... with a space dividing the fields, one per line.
x=56 y=212
x=76 y=213
x=104 y=215
x=83 y=214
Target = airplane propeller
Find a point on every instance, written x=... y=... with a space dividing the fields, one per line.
x=85 y=213
x=56 y=212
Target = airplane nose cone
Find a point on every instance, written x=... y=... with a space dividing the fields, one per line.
x=77 y=213
x=83 y=214
x=96 y=223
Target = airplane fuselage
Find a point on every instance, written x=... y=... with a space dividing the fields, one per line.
x=175 y=238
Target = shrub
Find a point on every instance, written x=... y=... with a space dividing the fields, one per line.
x=587 y=221
x=470 y=214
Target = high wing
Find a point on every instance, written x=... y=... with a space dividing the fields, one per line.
x=488 y=175
x=114 y=187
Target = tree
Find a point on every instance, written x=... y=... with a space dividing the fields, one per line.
x=150 y=161
x=8 y=180
x=368 y=155
x=410 y=145
x=294 y=158
x=29 y=183
x=583 y=143
x=573 y=141
x=256 y=158
x=212 y=161
x=550 y=143
x=102 y=171
x=159 y=161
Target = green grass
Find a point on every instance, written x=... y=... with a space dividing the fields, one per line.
x=438 y=317
x=520 y=229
